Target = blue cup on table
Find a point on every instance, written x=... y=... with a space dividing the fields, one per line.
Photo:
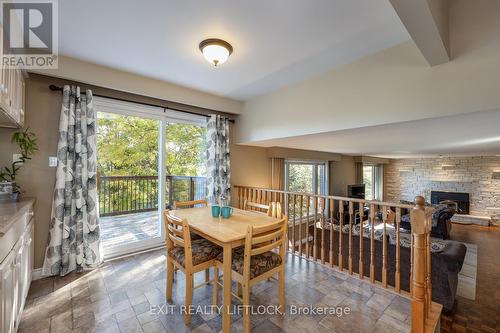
x=226 y=212
x=215 y=211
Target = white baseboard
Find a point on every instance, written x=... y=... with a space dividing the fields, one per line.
x=36 y=274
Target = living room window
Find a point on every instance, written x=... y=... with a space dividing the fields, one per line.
x=306 y=176
x=374 y=181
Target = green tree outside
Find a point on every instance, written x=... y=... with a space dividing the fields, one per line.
x=128 y=146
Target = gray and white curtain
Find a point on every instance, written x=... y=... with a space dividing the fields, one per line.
x=218 y=165
x=74 y=242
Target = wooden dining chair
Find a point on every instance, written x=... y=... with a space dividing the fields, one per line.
x=256 y=262
x=187 y=256
x=192 y=204
x=273 y=209
x=254 y=206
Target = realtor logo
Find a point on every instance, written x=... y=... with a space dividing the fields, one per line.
x=29 y=34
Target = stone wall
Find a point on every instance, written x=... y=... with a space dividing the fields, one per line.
x=406 y=178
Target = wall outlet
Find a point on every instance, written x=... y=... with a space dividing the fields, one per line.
x=16 y=157
x=52 y=161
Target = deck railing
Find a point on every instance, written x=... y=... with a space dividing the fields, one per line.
x=133 y=194
x=374 y=253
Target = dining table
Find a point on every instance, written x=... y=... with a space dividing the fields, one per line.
x=228 y=233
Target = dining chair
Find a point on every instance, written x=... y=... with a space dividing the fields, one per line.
x=273 y=209
x=192 y=204
x=256 y=262
x=186 y=255
x=255 y=206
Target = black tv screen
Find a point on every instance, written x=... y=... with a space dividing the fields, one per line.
x=356 y=191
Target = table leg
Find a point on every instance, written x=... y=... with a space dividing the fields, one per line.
x=226 y=317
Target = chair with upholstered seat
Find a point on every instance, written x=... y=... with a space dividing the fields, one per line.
x=192 y=204
x=186 y=255
x=256 y=262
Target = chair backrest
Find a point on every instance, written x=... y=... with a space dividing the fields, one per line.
x=177 y=234
x=254 y=206
x=275 y=210
x=184 y=204
x=263 y=239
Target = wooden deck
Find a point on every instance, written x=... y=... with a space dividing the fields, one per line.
x=124 y=229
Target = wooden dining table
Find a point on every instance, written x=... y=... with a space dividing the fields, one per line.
x=227 y=233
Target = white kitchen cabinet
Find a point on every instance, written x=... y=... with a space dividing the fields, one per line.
x=8 y=286
x=16 y=261
x=12 y=89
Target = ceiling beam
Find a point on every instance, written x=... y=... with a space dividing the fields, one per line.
x=427 y=24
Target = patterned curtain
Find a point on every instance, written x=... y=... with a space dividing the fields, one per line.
x=218 y=165
x=74 y=242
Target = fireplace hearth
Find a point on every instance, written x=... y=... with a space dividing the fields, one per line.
x=458 y=199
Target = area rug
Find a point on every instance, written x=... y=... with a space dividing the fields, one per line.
x=468 y=275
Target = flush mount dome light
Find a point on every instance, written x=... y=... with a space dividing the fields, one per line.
x=216 y=51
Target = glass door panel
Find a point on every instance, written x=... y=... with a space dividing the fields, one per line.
x=128 y=162
x=185 y=162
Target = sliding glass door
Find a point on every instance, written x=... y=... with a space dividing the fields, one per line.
x=128 y=163
x=147 y=158
x=185 y=161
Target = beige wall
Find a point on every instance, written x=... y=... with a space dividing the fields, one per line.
x=77 y=70
x=393 y=85
x=36 y=178
x=250 y=166
x=342 y=173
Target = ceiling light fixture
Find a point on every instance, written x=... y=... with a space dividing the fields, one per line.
x=216 y=51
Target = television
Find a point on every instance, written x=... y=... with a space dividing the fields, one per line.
x=356 y=191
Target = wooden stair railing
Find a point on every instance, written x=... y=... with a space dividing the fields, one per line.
x=310 y=216
x=425 y=313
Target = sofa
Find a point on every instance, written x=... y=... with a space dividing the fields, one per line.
x=446 y=263
x=441 y=221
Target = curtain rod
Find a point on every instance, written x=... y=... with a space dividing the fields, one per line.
x=53 y=87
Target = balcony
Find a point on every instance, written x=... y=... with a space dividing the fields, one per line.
x=128 y=205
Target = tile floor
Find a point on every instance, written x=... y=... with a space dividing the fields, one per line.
x=119 y=297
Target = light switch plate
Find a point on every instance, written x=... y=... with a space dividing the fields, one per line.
x=52 y=161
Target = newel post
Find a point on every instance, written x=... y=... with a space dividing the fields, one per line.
x=419 y=275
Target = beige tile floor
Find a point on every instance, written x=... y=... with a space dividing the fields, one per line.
x=119 y=296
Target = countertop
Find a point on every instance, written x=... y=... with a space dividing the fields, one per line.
x=10 y=211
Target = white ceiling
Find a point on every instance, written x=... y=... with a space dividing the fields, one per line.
x=469 y=134
x=276 y=43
